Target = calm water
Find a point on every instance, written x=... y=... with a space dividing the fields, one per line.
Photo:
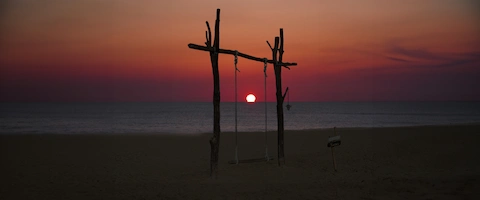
x=72 y=118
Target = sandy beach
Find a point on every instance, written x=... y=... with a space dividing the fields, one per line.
x=430 y=162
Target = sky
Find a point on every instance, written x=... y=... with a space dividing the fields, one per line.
x=124 y=51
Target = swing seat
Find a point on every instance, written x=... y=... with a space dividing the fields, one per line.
x=249 y=160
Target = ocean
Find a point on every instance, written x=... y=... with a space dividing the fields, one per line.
x=192 y=118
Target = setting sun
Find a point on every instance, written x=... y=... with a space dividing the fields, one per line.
x=251 y=98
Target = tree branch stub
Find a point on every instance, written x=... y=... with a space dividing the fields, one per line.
x=209 y=39
x=275 y=50
x=269 y=45
x=284 y=94
x=280 y=58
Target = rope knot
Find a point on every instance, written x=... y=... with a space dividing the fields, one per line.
x=265 y=66
x=236 y=60
x=236 y=56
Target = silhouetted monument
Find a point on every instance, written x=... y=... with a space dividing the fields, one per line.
x=278 y=64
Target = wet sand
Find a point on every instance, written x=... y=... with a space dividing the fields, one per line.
x=430 y=162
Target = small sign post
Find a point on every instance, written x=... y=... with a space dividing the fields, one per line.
x=332 y=142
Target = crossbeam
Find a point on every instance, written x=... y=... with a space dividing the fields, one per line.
x=232 y=52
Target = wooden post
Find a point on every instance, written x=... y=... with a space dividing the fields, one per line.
x=332 y=145
x=333 y=157
x=280 y=97
x=215 y=140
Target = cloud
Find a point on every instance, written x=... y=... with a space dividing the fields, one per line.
x=396 y=59
x=456 y=62
x=415 y=53
x=416 y=57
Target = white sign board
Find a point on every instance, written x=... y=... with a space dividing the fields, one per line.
x=333 y=141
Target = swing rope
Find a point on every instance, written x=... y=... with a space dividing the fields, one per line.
x=236 y=134
x=236 y=100
x=265 y=87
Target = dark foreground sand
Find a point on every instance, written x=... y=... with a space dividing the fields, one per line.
x=385 y=163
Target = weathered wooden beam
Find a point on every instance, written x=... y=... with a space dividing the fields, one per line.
x=280 y=99
x=216 y=42
x=232 y=52
x=208 y=35
x=285 y=94
x=271 y=48
x=275 y=52
x=280 y=57
x=215 y=140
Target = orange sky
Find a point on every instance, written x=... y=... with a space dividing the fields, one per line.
x=101 y=50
